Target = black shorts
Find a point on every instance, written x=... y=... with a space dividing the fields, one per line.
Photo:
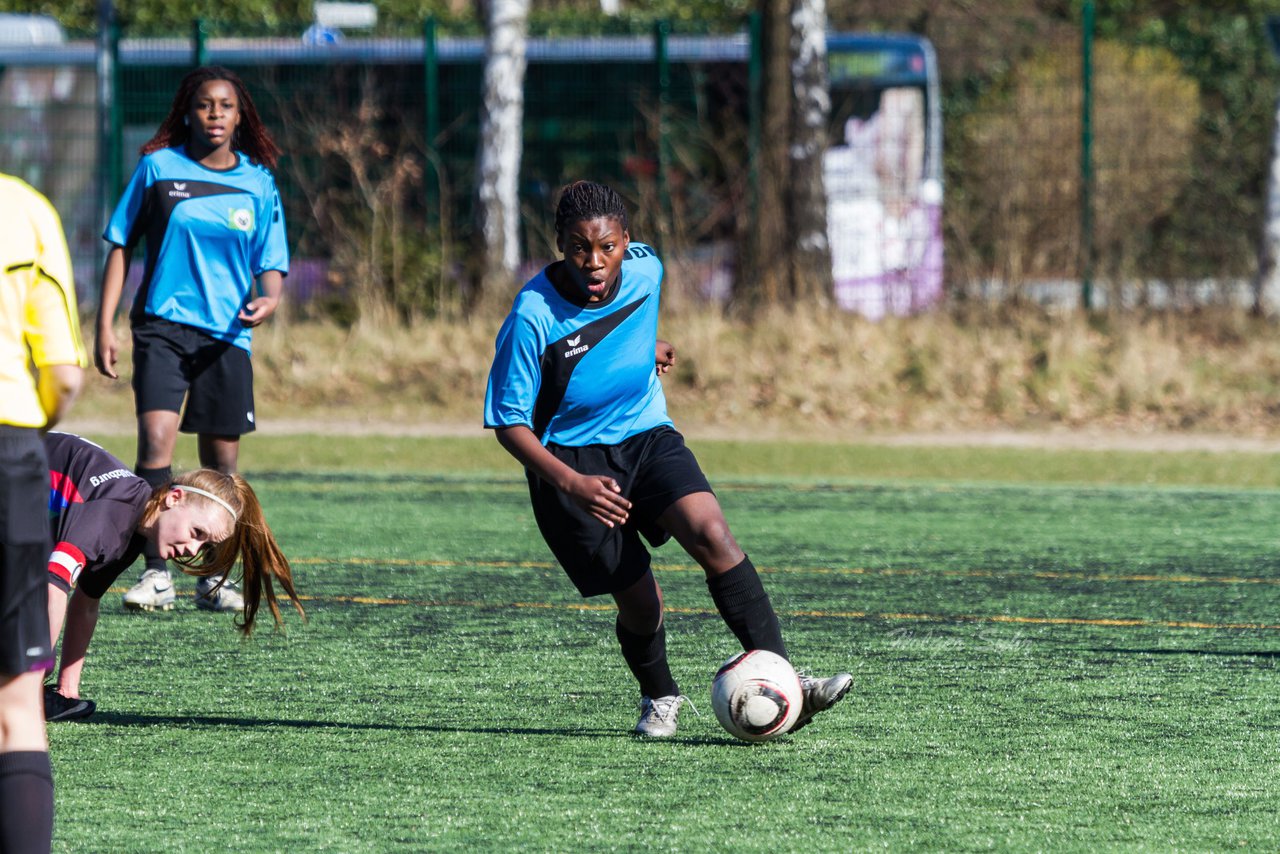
x=172 y=361
x=655 y=469
x=24 y=552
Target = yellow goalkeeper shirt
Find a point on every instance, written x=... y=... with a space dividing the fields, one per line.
x=38 y=321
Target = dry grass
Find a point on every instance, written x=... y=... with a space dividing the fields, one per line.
x=939 y=372
x=809 y=373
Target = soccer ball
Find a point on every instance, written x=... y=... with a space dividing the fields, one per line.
x=756 y=695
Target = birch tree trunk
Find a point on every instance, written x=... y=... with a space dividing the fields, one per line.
x=810 y=273
x=1266 y=290
x=498 y=159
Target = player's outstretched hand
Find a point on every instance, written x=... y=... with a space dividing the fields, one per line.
x=601 y=496
x=105 y=352
x=664 y=356
x=258 y=310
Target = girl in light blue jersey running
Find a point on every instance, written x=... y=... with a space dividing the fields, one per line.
x=574 y=396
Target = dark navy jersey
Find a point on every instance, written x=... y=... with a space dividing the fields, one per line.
x=95 y=505
x=581 y=373
x=210 y=233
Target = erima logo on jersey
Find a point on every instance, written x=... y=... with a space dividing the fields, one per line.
x=178 y=186
x=575 y=351
x=179 y=192
x=98 y=479
x=241 y=219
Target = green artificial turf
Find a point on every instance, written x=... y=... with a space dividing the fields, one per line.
x=816 y=461
x=1038 y=666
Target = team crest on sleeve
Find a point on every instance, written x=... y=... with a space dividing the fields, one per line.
x=241 y=219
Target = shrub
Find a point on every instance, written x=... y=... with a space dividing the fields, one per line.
x=1021 y=146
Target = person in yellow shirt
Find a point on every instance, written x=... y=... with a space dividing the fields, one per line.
x=40 y=330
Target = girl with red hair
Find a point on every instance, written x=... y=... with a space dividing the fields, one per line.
x=103 y=517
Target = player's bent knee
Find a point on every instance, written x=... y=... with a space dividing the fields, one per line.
x=713 y=544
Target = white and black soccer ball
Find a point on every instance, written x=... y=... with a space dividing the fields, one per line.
x=756 y=695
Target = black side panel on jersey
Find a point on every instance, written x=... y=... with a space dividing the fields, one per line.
x=562 y=356
x=153 y=221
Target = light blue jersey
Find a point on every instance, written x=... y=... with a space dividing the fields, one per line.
x=581 y=374
x=209 y=235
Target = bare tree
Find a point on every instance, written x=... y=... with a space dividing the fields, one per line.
x=766 y=275
x=498 y=159
x=790 y=254
x=1266 y=291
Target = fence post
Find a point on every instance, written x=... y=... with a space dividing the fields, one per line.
x=199 y=50
x=109 y=131
x=115 y=170
x=1086 y=156
x=661 y=30
x=431 y=113
x=755 y=89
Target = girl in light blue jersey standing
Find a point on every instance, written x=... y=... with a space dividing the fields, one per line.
x=204 y=201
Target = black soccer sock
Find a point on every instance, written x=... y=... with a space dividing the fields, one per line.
x=155 y=477
x=646 y=655
x=743 y=603
x=26 y=802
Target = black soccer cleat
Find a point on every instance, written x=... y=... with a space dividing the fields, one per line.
x=60 y=708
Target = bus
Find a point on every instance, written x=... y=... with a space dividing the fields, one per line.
x=883 y=174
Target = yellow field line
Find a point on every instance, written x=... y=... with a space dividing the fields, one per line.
x=818 y=570
x=847 y=615
x=1113 y=622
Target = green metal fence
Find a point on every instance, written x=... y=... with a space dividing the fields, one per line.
x=1087 y=170
x=1111 y=165
x=380 y=138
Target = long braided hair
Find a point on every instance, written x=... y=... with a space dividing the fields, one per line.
x=251 y=136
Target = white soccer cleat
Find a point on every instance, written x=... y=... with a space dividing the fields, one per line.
x=658 y=715
x=224 y=598
x=820 y=695
x=153 y=592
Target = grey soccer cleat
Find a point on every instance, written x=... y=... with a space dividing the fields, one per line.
x=153 y=592
x=211 y=597
x=820 y=695
x=658 y=715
